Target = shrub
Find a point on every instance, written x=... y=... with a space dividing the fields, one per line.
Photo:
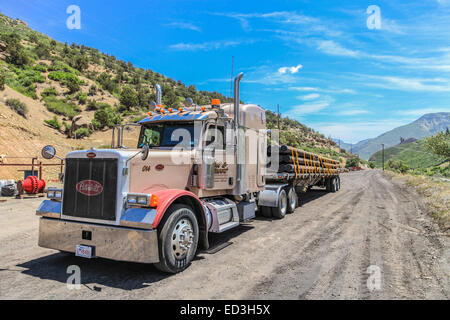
x=40 y=67
x=68 y=79
x=106 y=116
x=92 y=90
x=67 y=127
x=352 y=162
x=61 y=66
x=81 y=133
x=42 y=50
x=54 y=123
x=18 y=106
x=61 y=107
x=50 y=91
x=82 y=98
x=91 y=105
x=128 y=98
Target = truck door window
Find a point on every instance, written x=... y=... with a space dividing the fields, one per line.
x=215 y=135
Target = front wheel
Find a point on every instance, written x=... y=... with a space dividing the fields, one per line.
x=178 y=239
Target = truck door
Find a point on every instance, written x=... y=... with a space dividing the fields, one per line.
x=216 y=135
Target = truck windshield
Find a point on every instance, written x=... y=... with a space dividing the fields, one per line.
x=168 y=134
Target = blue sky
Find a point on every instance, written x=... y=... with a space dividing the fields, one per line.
x=318 y=59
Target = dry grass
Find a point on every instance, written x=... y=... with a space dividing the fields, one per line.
x=436 y=194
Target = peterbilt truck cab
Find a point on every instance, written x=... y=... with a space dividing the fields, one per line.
x=193 y=170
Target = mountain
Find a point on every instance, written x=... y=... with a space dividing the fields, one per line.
x=46 y=84
x=425 y=126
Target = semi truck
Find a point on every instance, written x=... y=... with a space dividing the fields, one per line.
x=193 y=171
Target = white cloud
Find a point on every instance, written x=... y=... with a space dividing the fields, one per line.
x=421 y=112
x=207 y=46
x=409 y=84
x=333 y=48
x=184 y=25
x=353 y=131
x=303 y=88
x=291 y=70
x=354 y=112
x=310 y=96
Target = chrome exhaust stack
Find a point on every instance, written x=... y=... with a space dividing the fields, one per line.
x=158 y=94
x=237 y=81
x=240 y=139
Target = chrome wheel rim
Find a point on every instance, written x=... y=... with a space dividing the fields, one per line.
x=292 y=199
x=283 y=200
x=182 y=238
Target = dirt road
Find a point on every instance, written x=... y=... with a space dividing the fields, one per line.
x=373 y=228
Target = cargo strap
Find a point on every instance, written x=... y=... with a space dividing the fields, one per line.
x=293 y=161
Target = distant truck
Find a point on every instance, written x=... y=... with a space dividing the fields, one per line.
x=195 y=170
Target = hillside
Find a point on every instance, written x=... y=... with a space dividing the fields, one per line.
x=46 y=84
x=425 y=126
x=416 y=156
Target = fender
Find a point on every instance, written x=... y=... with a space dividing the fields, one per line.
x=169 y=196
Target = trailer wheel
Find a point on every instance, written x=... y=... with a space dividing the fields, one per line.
x=280 y=211
x=333 y=185
x=328 y=185
x=291 y=200
x=178 y=239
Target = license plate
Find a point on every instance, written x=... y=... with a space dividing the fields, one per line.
x=83 y=251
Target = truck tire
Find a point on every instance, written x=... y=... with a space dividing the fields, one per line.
x=291 y=200
x=280 y=211
x=328 y=185
x=177 y=239
x=333 y=185
x=338 y=183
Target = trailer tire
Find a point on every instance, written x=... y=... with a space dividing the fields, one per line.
x=328 y=185
x=177 y=239
x=291 y=200
x=280 y=211
x=266 y=212
x=333 y=186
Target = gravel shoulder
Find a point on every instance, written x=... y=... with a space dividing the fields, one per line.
x=374 y=230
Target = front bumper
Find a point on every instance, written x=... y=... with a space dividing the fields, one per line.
x=110 y=242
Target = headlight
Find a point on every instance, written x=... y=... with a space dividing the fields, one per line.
x=142 y=200
x=54 y=193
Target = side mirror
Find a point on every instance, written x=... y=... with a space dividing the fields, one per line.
x=48 y=152
x=145 y=151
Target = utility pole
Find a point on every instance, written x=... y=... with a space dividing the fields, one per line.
x=382 y=154
x=278 y=111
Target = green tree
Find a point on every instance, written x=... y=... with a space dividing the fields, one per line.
x=128 y=97
x=42 y=50
x=372 y=165
x=81 y=63
x=352 y=162
x=439 y=144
